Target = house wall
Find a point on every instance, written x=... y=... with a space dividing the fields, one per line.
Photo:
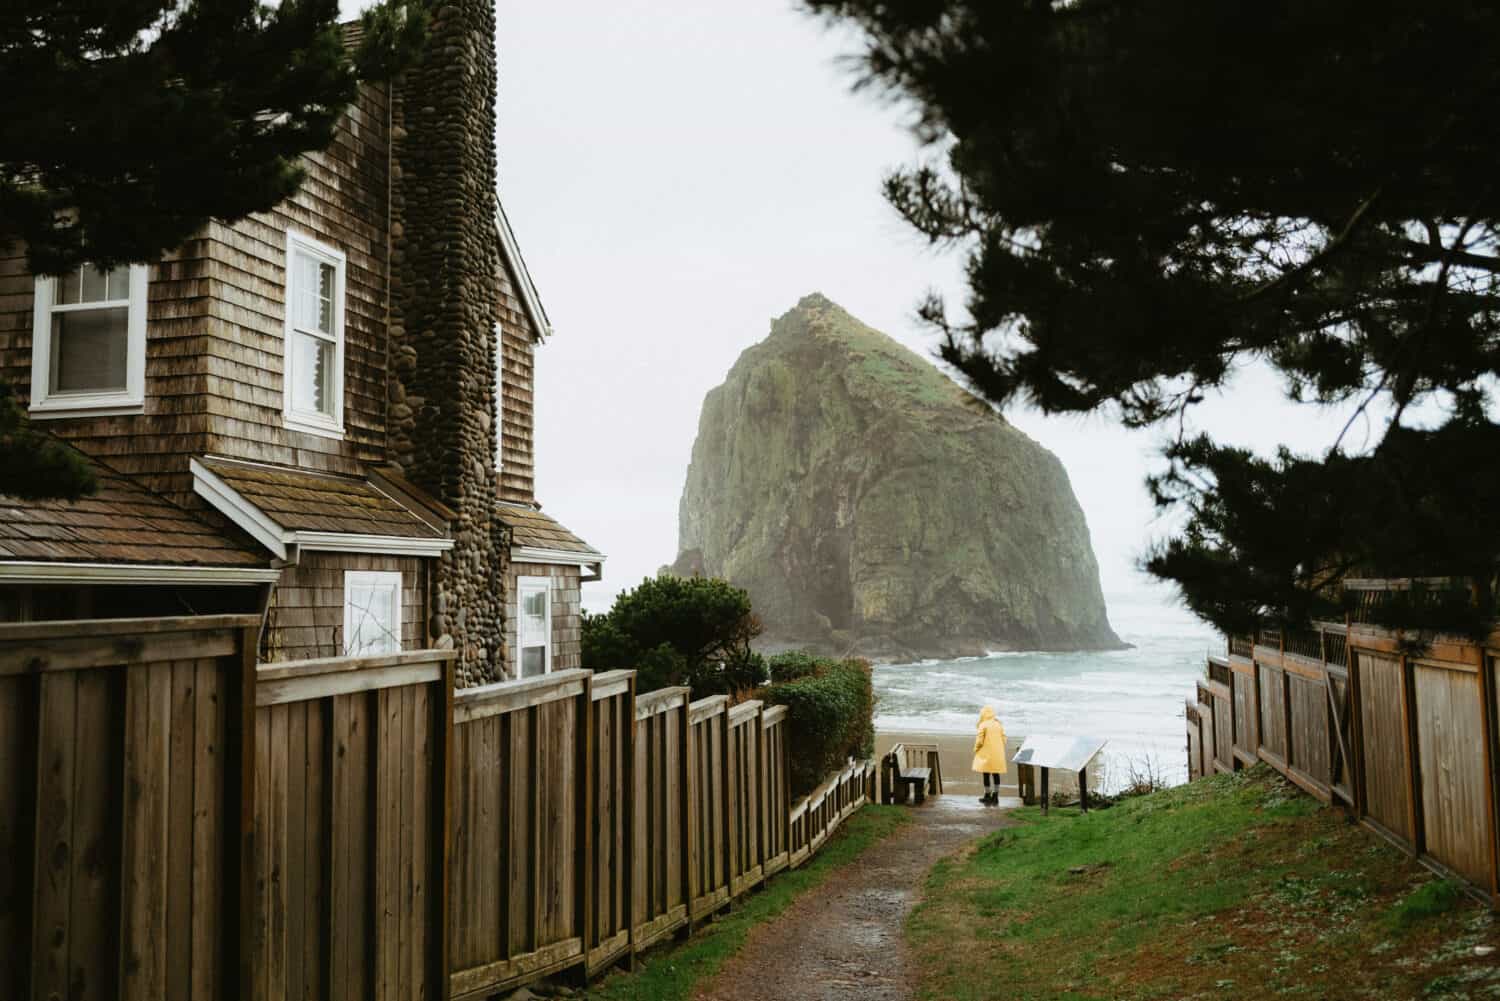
x=567 y=648
x=517 y=344
x=215 y=327
x=343 y=203
x=154 y=444
x=306 y=616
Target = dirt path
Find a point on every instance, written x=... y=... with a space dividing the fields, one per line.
x=843 y=940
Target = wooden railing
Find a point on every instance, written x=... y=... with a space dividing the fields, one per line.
x=183 y=825
x=1404 y=737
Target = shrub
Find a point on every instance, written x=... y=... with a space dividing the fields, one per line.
x=792 y=664
x=830 y=714
x=678 y=631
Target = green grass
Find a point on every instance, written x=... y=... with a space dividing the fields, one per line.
x=1238 y=886
x=673 y=972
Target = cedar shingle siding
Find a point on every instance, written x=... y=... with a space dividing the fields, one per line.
x=566 y=614
x=405 y=193
x=306 y=617
x=517 y=461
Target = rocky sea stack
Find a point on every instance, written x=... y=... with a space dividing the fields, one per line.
x=870 y=505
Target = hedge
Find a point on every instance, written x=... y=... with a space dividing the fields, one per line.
x=830 y=714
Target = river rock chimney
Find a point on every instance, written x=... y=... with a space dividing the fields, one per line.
x=445 y=253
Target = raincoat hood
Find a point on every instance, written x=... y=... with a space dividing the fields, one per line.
x=985 y=714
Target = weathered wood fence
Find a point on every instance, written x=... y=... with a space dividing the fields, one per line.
x=178 y=823
x=1405 y=740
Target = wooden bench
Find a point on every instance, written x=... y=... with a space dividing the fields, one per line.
x=899 y=782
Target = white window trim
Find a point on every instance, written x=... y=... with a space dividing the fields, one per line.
x=130 y=400
x=370 y=578
x=523 y=586
x=301 y=420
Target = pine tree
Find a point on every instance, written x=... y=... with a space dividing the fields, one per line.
x=132 y=123
x=1150 y=194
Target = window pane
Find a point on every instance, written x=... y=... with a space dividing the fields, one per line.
x=372 y=620
x=119 y=283
x=533 y=661
x=299 y=297
x=533 y=617
x=88 y=350
x=69 y=287
x=325 y=298
x=95 y=284
x=312 y=374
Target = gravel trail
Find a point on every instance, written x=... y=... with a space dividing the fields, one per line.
x=843 y=939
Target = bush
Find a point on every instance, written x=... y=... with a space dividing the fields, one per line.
x=792 y=665
x=830 y=714
x=678 y=631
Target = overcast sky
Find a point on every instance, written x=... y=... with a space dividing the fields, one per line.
x=677 y=174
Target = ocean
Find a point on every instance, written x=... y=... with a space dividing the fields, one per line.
x=1131 y=698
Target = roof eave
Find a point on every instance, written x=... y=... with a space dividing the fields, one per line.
x=530 y=300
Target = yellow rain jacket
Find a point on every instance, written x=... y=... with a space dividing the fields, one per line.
x=989 y=743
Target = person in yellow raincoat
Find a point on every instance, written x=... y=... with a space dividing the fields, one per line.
x=989 y=753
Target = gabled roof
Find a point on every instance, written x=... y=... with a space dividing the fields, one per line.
x=123 y=532
x=282 y=507
x=541 y=538
x=530 y=301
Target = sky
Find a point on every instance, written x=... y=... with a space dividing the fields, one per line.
x=678 y=174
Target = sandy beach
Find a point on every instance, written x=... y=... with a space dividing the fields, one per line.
x=956 y=751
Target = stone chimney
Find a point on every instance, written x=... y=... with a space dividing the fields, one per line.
x=444 y=300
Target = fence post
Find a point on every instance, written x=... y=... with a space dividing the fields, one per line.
x=1356 y=722
x=626 y=810
x=731 y=826
x=762 y=793
x=690 y=820
x=1487 y=717
x=240 y=779
x=1413 y=765
x=1286 y=703
x=786 y=790
x=445 y=886
x=584 y=889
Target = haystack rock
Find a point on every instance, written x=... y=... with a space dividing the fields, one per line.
x=872 y=506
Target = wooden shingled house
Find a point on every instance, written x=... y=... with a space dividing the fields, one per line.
x=322 y=413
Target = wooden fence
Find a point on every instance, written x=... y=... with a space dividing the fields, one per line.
x=180 y=824
x=1404 y=739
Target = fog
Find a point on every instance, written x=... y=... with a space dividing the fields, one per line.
x=679 y=173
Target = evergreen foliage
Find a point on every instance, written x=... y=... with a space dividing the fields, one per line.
x=135 y=122
x=36 y=466
x=678 y=631
x=1152 y=194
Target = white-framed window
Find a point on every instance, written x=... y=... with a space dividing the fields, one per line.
x=372 y=612
x=88 y=342
x=534 y=627
x=313 y=385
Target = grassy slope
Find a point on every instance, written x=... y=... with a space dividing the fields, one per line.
x=672 y=973
x=1235 y=887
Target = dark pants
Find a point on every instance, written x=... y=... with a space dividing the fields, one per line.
x=992 y=775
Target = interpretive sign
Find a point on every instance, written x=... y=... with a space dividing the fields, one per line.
x=1068 y=754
